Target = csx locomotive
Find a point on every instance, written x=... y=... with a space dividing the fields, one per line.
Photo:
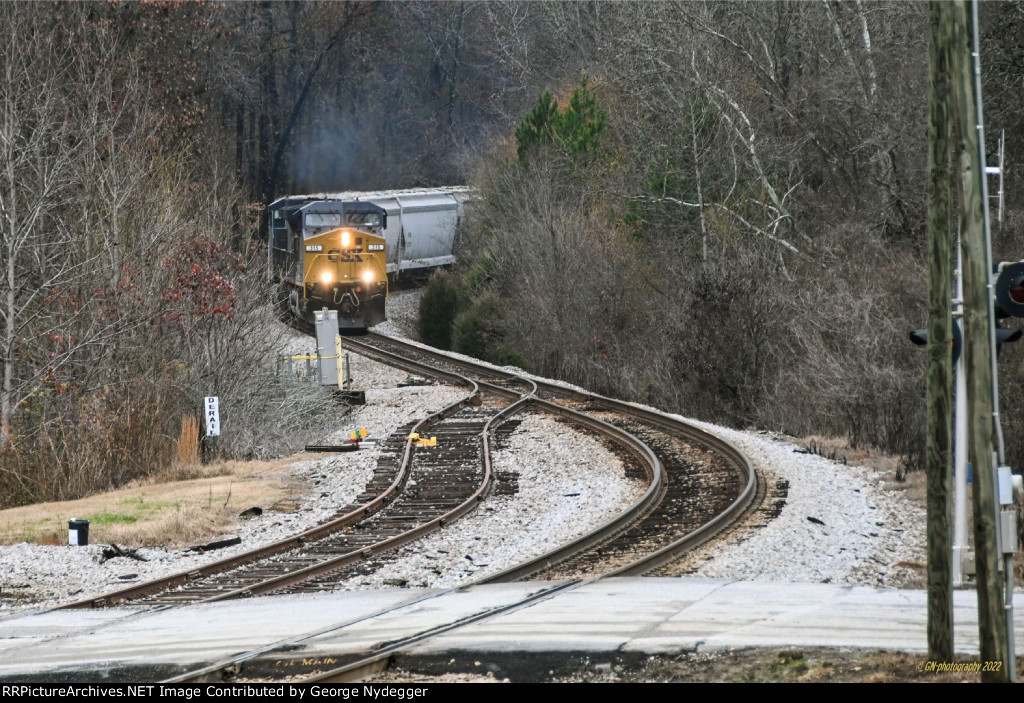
x=391 y=233
x=330 y=253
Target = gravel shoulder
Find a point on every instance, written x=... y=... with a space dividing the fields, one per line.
x=840 y=524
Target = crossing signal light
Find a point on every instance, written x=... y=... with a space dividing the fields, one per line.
x=1009 y=295
x=1003 y=336
x=1010 y=289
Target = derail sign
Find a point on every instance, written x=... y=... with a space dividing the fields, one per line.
x=212 y=417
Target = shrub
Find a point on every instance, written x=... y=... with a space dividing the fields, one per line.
x=476 y=330
x=439 y=306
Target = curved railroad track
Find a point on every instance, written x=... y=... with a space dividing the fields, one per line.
x=698 y=485
x=445 y=485
x=705 y=483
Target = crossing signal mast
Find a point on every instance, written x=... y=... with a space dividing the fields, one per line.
x=1009 y=302
x=984 y=296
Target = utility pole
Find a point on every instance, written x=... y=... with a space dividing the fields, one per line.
x=979 y=350
x=940 y=334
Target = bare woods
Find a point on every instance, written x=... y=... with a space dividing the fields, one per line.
x=744 y=241
x=717 y=207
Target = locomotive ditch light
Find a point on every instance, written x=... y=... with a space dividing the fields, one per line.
x=1010 y=289
x=368 y=276
x=326 y=277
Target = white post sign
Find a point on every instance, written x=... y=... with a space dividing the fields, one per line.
x=212 y=416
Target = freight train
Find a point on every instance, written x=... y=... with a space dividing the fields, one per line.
x=341 y=250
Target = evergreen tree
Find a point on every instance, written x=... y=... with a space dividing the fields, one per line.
x=574 y=130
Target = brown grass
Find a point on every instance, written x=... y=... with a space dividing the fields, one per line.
x=172 y=514
x=839 y=449
x=188 y=442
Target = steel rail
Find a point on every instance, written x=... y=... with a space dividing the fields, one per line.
x=655 y=490
x=313 y=534
x=232 y=665
x=691 y=432
x=299 y=575
x=640 y=507
x=380 y=661
x=364 y=511
x=289 y=543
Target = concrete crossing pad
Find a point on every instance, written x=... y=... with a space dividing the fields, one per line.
x=626 y=616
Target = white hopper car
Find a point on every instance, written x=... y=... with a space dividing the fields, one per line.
x=421 y=223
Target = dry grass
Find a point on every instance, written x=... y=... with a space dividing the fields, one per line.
x=170 y=514
x=188 y=442
x=839 y=449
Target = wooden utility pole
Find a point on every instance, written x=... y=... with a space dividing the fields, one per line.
x=978 y=350
x=939 y=461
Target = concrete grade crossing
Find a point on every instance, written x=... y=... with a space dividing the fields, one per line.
x=625 y=617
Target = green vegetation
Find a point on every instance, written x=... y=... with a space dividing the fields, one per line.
x=576 y=129
x=476 y=331
x=141 y=505
x=439 y=306
x=109 y=518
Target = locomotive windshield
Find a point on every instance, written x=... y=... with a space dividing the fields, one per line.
x=364 y=220
x=321 y=220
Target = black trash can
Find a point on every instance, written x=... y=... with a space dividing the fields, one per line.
x=78 y=532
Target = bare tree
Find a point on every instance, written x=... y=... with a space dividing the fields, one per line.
x=37 y=140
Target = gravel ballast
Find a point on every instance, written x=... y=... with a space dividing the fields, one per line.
x=568 y=483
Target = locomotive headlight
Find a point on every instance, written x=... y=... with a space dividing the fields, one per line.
x=326 y=277
x=346 y=238
x=367 y=276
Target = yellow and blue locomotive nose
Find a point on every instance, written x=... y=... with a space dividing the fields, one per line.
x=345 y=270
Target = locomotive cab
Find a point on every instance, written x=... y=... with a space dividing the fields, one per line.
x=330 y=254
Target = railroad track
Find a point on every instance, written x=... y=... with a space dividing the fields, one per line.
x=704 y=484
x=698 y=485
x=447 y=482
